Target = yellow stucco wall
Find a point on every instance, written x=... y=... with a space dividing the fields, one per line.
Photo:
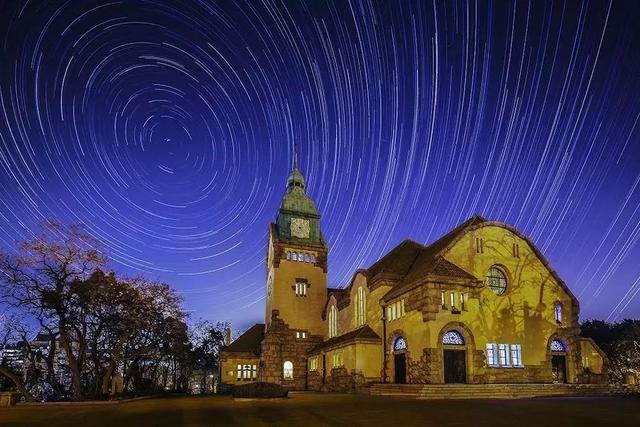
x=591 y=357
x=299 y=312
x=525 y=313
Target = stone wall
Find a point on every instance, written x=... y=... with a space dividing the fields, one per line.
x=279 y=345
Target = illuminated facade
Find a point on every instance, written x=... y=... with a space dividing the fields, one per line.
x=479 y=305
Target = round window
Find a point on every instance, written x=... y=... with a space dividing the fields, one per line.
x=497 y=280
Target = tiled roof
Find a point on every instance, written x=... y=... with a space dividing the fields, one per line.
x=411 y=261
x=364 y=332
x=248 y=342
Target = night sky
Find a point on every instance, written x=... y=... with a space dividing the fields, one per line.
x=167 y=128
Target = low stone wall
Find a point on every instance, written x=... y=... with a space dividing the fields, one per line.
x=8 y=398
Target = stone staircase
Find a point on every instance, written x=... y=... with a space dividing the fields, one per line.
x=489 y=391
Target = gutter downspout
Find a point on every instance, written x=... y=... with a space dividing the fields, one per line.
x=384 y=345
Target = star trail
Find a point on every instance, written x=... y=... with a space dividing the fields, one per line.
x=167 y=128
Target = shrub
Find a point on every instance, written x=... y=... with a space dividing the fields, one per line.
x=259 y=390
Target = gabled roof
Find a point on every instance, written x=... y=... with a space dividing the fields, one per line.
x=398 y=261
x=362 y=333
x=248 y=342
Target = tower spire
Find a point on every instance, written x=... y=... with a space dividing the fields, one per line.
x=295 y=155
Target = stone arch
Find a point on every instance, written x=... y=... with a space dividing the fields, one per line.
x=571 y=353
x=472 y=357
x=391 y=367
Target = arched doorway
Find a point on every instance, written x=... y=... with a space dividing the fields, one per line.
x=400 y=360
x=454 y=357
x=558 y=361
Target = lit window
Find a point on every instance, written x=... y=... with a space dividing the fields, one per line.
x=395 y=310
x=453 y=300
x=294 y=256
x=497 y=280
x=336 y=359
x=361 y=306
x=333 y=321
x=399 y=344
x=288 y=255
x=443 y=299
x=516 y=354
x=301 y=289
x=558 y=312
x=492 y=354
x=463 y=305
x=287 y=370
x=453 y=338
x=503 y=354
x=313 y=364
x=558 y=346
x=301 y=334
x=300 y=257
x=313 y=258
x=246 y=372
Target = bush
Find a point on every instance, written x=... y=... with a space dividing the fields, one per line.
x=260 y=390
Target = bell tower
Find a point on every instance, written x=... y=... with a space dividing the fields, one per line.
x=297 y=261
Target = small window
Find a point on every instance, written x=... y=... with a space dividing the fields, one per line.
x=463 y=301
x=399 y=344
x=479 y=245
x=453 y=300
x=294 y=256
x=516 y=250
x=503 y=354
x=301 y=289
x=395 y=310
x=288 y=255
x=301 y=334
x=300 y=257
x=497 y=280
x=333 y=321
x=443 y=299
x=313 y=364
x=361 y=306
x=453 y=338
x=558 y=346
x=313 y=259
x=492 y=354
x=287 y=370
x=516 y=354
x=558 y=312
x=336 y=359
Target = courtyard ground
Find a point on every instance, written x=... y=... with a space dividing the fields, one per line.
x=310 y=409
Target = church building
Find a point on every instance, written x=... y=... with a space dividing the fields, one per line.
x=479 y=305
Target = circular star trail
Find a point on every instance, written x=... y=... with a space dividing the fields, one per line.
x=167 y=128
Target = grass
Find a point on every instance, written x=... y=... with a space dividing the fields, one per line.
x=310 y=409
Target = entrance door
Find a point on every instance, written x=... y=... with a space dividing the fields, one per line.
x=559 y=369
x=400 y=363
x=455 y=367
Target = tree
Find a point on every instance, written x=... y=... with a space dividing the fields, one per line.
x=206 y=338
x=42 y=279
x=621 y=343
x=9 y=327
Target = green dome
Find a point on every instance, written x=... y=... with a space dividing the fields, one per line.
x=295 y=200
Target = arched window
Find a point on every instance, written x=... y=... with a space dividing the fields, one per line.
x=497 y=280
x=399 y=344
x=361 y=306
x=287 y=370
x=453 y=338
x=333 y=321
x=558 y=346
x=558 y=312
x=294 y=256
x=313 y=258
x=288 y=256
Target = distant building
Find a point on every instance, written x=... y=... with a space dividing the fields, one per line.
x=479 y=305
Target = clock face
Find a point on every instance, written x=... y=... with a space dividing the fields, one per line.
x=300 y=228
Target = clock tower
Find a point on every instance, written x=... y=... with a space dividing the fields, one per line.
x=297 y=262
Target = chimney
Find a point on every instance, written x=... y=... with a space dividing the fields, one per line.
x=227 y=336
